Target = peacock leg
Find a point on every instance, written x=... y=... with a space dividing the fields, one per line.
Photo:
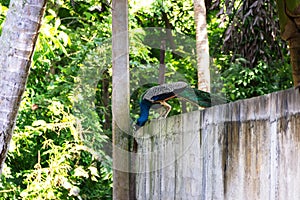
x=297 y=87
x=167 y=107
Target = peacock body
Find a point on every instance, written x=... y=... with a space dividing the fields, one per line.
x=162 y=93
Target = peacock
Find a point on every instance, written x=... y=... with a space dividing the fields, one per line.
x=162 y=93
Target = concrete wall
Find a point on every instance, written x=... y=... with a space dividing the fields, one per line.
x=248 y=149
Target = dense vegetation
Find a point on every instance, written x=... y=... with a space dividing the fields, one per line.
x=60 y=147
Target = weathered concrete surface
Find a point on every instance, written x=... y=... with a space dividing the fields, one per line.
x=248 y=149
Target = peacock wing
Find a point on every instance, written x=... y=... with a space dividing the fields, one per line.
x=164 y=90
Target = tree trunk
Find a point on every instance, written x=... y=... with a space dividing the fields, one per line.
x=162 y=65
x=106 y=100
x=120 y=99
x=17 y=42
x=289 y=19
x=202 y=48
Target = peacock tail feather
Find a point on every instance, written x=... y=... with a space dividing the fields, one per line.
x=201 y=98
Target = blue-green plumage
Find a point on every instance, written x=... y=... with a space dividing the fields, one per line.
x=145 y=106
x=162 y=93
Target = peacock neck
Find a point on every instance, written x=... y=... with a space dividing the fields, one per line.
x=144 y=109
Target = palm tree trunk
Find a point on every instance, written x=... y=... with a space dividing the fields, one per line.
x=202 y=48
x=17 y=42
x=289 y=15
x=294 y=46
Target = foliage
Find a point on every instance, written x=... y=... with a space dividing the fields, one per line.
x=251 y=30
x=51 y=161
x=178 y=13
x=49 y=158
x=243 y=82
x=3 y=10
x=247 y=51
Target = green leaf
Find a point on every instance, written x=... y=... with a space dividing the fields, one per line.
x=39 y=123
x=80 y=172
